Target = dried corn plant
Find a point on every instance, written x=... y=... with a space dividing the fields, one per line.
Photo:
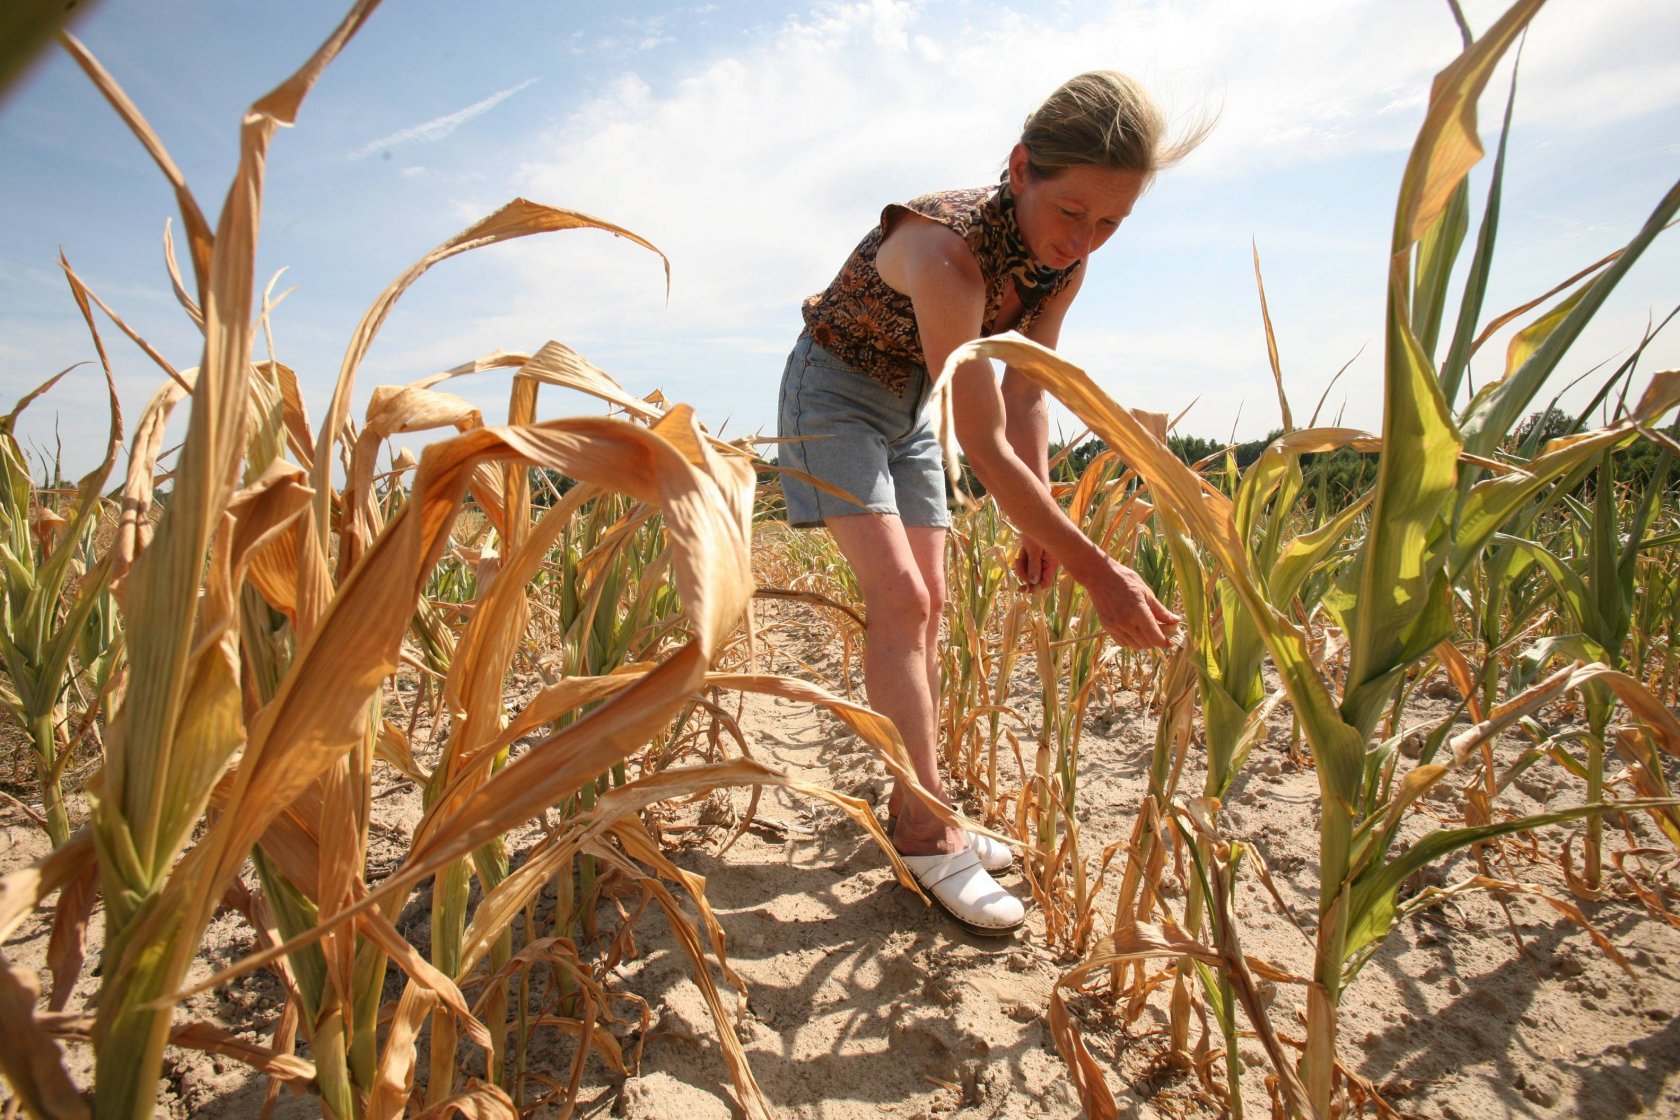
x=1072 y=661
x=267 y=612
x=982 y=626
x=56 y=617
x=1438 y=502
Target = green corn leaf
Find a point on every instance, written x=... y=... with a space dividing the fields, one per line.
x=1492 y=502
x=1242 y=651
x=25 y=681
x=1481 y=265
x=1430 y=624
x=1528 y=665
x=1500 y=406
x=1372 y=910
x=1643 y=518
x=1436 y=255
x=1604 y=560
x=1211 y=990
x=1397 y=596
x=1225 y=719
x=67 y=632
x=294 y=913
x=1300 y=556
x=1571 y=591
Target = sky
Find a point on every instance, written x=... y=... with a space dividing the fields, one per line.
x=756 y=141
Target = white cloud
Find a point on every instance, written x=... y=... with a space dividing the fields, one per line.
x=1588 y=65
x=757 y=170
x=755 y=150
x=439 y=127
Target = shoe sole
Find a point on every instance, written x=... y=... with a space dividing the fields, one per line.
x=968 y=926
x=930 y=892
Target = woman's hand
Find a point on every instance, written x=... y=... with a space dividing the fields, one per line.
x=1128 y=610
x=1034 y=567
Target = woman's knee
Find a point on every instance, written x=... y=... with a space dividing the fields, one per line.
x=935 y=584
x=902 y=603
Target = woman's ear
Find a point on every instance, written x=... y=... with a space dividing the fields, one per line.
x=1019 y=167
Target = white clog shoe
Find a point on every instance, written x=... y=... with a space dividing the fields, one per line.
x=967 y=892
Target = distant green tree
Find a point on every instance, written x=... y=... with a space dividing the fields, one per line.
x=1192 y=449
x=1538 y=427
x=1338 y=477
x=1248 y=452
x=545 y=483
x=1074 y=463
x=1635 y=465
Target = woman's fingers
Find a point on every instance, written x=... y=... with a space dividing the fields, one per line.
x=1131 y=613
x=1150 y=632
x=1033 y=565
x=1047 y=566
x=1165 y=618
x=1027 y=566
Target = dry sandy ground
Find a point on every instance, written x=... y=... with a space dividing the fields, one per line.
x=861 y=1001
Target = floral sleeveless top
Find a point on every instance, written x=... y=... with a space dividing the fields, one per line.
x=862 y=321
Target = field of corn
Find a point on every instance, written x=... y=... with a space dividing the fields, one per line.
x=534 y=776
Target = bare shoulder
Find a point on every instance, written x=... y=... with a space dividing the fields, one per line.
x=918 y=251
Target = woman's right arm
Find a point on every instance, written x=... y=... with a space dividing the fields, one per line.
x=934 y=267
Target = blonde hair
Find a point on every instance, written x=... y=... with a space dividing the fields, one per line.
x=1105 y=119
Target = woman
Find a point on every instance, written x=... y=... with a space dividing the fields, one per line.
x=936 y=272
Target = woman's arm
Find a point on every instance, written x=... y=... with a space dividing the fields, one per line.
x=1027 y=426
x=1026 y=408
x=934 y=267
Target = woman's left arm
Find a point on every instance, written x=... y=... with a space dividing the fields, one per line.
x=1026 y=426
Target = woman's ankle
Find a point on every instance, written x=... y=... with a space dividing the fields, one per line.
x=920 y=840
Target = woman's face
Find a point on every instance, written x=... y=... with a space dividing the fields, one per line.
x=1063 y=219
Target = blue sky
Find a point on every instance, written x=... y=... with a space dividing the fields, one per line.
x=756 y=141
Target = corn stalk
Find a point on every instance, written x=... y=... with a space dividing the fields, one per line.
x=1429 y=522
x=49 y=618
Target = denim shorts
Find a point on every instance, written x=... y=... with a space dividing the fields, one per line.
x=854 y=433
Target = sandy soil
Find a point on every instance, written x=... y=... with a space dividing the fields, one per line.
x=861 y=1001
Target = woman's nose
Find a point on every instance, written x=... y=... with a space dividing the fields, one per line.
x=1084 y=237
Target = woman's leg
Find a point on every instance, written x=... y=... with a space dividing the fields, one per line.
x=927 y=547
x=901 y=573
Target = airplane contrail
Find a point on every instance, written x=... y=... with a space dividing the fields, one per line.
x=439 y=127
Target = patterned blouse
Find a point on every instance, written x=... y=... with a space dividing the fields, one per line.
x=862 y=321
